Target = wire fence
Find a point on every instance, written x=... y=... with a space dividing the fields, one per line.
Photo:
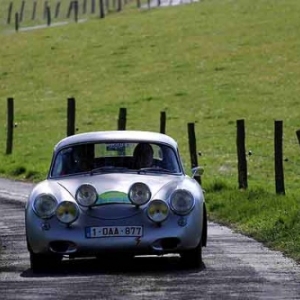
x=263 y=161
x=27 y=14
x=22 y=15
x=260 y=159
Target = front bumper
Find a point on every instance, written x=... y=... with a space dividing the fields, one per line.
x=176 y=234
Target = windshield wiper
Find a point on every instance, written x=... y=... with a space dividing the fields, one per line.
x=155 y=170
x=106 y=169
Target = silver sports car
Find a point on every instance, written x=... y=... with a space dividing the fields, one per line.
x=114 y=193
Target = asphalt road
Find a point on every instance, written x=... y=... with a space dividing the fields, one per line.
x=235 y=267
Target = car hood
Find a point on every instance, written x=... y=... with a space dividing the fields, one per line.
x=113 y=189
x=160 y=186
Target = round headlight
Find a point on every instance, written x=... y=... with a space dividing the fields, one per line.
x=44 y=206
x=139 y=193
x=158 y=211
x=67 y=212
x=86 y=195
x=182 y=202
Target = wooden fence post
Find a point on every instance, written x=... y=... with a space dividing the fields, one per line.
x=22 y=11
x=33 y=10
x=279 y=174
x=241 y=155
x=71 y=117
x=122 y=119
x=298 y=135
x=10 y=7
x=57 y=7
x=119 y=5
x=70 y=9
x=101 y=6
x=10 y=125
x=17 y=21
x=138 y=3
x=75 y=3
x=93 y=6
x=193 y=149
x=48 y=15
x=162 y=122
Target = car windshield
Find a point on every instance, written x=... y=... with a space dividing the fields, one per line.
x=94 y=158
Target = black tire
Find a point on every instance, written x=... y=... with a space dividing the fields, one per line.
x=44 y=262
x=192 y=258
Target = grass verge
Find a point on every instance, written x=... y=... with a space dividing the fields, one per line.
x=271 y=219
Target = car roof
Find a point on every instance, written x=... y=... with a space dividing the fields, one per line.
x=117 y=135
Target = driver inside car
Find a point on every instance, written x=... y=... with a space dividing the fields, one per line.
x=143 y=156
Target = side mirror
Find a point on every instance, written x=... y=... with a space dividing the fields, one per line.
x=197 y=171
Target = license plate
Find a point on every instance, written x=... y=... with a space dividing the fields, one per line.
x=114 y=231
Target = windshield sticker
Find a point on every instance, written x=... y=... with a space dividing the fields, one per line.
x=116 y=146
x=112 y=197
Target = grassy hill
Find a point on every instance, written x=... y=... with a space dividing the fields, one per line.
x=211 y=62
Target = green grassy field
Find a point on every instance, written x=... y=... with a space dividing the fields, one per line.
x=210 y=62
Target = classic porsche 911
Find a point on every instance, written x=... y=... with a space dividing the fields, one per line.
x=114 y=193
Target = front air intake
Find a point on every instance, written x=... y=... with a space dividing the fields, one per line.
x=63 y=247
x=169 y=243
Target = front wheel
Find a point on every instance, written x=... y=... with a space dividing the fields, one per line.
x=192 y=258
x=44 y=262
